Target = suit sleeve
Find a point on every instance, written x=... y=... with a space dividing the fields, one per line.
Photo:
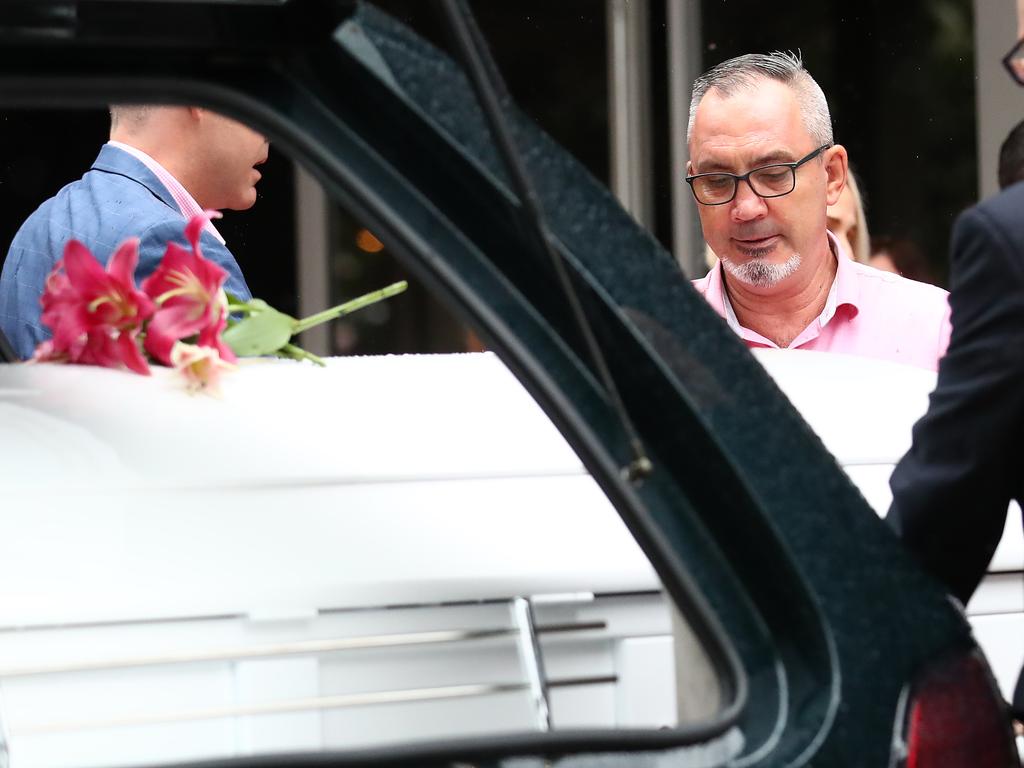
x=952 y=489
x=154 y=241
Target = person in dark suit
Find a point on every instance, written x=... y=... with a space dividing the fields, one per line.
x=952 y=489
x=162 y=166
x=1011 y=157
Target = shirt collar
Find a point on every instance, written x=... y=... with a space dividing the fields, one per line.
x=846 y=287
x=843 y=292
x=187 y=205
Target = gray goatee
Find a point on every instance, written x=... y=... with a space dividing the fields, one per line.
x=761 y=274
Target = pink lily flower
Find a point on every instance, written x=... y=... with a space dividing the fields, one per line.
x=200 y=365
x=95 y=313
x=187 y=289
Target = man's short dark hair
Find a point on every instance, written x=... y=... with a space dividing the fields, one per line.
x=1011 y=157
x=129 y=115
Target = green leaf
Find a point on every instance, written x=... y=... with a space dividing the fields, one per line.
x=262 y=333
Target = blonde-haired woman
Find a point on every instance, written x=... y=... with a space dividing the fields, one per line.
x=846 y=220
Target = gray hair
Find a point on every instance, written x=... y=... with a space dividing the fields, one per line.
x=743 y=72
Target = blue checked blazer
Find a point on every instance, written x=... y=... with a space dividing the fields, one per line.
x=118 y=198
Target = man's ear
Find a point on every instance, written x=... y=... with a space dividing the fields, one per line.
x=836 y=168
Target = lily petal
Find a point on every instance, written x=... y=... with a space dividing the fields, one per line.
x=123 y=262
x=84 y=272
x=130 y=355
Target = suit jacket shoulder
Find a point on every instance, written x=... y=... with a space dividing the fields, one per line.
x=1000 y=221
x=119 y=197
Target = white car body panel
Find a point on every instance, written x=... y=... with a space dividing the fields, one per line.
x=864 y=411
x=364 y=483
x=380 y=500
x=380 y=496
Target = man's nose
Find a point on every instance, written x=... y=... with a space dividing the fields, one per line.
x=747 y=204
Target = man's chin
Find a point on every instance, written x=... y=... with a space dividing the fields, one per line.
x=243 y=203
x=760 y=273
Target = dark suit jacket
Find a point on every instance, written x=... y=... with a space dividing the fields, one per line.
x=118 y=198
x=951 y=490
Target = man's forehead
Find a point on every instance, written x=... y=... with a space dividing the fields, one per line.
x=760 y=96
x=748 y=125
x=728 y=153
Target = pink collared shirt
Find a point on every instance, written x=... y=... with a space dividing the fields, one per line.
x=868 y=312
x=186 y=203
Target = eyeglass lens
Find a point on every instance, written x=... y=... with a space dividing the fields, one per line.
x=770 y=181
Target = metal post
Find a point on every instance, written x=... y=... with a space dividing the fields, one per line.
x=629 y=105
x=998 y=97
x=684 y=64
x=5 y=742
x=312 y=247
x=533 y=663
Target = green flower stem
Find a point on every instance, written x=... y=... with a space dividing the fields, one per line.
x=350 y=306
x=232 y=308
x=298 y=353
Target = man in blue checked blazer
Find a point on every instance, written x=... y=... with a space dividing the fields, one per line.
x=163 y=165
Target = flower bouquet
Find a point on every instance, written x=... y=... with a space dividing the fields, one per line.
x=180 y=316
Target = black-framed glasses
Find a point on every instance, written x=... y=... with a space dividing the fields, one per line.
x=773 y=180
x=1014 y=62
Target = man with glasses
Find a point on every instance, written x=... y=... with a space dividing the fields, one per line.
x=763 y=168
x=952 y=489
